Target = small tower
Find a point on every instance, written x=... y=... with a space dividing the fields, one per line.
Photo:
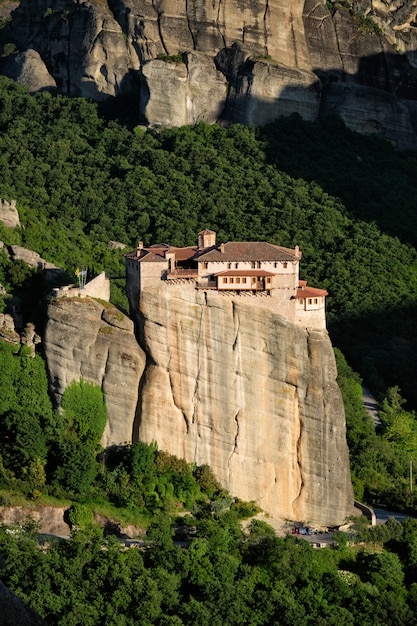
x=139 y=248
x=206 y=239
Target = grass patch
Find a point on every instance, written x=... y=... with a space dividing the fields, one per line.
x=106 y=330
x=105 y=303
x=9 y=497
x=122 y=516
x=170 y=58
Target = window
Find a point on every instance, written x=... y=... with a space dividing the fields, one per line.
x=229 y=266
x=253 y=265
x=204 y=265
x=285 y=265
x=238 y=279
x=268 y=279
x=225 y=279
x=315 y=300
x=236 y=265
x=258 y=265
x=310 y=300
x=232 y=280
x=244 y=279
x=275 y=264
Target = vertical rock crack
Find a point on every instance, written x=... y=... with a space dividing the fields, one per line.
x=158 y=21
x=235 y=444
x=265 y=19
x=187 y=12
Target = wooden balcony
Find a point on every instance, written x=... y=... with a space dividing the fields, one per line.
x=182 y=273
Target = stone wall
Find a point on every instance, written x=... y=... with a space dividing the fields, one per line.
x=98 y=287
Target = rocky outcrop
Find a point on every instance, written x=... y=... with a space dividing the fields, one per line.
x=18 y=253
x=50 y=520
x=9 y=215
x=28 y=68
x=237 y=387
x=53 y=521
x=7 y=329
x=85 y=338
x=306 y=56
x=30 y=338
x=262 y=90
x=200 y=90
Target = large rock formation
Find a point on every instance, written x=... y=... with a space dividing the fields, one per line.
x=225 y=383
x=237 y=387
x=85 y=338
x=306 y=56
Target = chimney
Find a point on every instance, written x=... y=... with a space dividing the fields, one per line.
x=297 y=252
x=222 y=248
x=139 y=248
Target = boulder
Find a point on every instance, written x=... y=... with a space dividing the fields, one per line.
x=28 y=69
x=200 y=91
x=9 y=215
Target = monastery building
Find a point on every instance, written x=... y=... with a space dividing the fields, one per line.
x=265 y=274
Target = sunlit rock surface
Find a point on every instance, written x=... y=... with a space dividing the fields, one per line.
x=302 y=56
x=255 y=397
x=85 y=338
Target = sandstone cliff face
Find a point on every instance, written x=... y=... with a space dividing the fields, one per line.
x=255 y=397
x=85 y=338
x=305 y=56
x=219 y=381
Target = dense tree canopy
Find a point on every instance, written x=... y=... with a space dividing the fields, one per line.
x=81 y=180
x=221 y=577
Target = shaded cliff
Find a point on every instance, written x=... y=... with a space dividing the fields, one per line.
x=229 y=61
x=225 y=383
x=15 y=611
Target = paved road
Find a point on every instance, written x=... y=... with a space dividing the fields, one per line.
x=383 y=515
x=371 y=406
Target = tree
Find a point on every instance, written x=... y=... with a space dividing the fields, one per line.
x=85 y=412
x=84 y=419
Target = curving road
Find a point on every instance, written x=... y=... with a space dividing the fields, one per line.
x=383 y=515
x=371 y=406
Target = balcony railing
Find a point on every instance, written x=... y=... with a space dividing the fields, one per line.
x=183 y=273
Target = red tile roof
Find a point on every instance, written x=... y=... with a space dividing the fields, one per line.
x=309 y=292
x=152 y=256
x=248 y=251
x=183 y=254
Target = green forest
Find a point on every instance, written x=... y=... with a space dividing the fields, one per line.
x=83 y=177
